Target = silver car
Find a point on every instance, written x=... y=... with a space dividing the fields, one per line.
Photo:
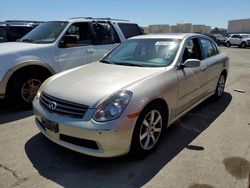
x=123 y=103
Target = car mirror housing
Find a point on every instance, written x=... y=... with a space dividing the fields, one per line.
x=190 y=63
x=68 y=41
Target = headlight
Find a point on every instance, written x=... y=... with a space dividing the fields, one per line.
x=38 y=94
x=113 y=107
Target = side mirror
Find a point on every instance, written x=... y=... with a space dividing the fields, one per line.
x=68 y=41
x=191 y=63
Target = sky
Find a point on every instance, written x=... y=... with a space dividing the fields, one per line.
x=215 y=13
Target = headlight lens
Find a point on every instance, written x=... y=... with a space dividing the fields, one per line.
x=113 y=107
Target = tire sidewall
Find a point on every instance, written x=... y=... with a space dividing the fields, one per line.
x=14 y=90
x=243 y=45
x=136 y=148
x=216 y=95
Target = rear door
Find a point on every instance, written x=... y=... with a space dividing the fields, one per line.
x=192 y=81
x=211 y=56
x=106 y=39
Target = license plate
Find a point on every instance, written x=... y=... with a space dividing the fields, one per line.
x=50 y=125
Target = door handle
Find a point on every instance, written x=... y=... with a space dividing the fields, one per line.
x=90 y=50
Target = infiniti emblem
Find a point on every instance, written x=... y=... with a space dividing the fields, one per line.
x=52 y=105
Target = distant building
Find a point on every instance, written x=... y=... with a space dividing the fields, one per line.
x=184 y=27
x=145 y=29
x=239 y=26
x=201 y=29
x=208 y=30
x=162 y=28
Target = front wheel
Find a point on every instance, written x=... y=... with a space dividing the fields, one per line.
x=243 y=45
x=23 y=88
x=220 y=86
x=228 y=44
x=148 y=130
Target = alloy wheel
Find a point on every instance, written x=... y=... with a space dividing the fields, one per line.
x=150 y=130
x=221 y=85
x=29 y=89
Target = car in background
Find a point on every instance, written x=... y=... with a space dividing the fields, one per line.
x=123 y=103
x=13 y=30
x=241 y=40
x=53 y=47
x=218 y=38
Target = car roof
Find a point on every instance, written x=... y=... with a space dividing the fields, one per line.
x=20 y=23
x=86 y=19
x=166 y=36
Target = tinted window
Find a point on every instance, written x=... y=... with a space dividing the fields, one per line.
x=130 y=30
x=105 y=33
x=191 y=50
x=3 y=36
x=82 y=32
x=207 y=48
x=18 y=32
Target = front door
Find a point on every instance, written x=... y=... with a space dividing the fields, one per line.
x=192 y=81
x=79 y=54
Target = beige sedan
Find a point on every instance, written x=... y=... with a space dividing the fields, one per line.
x=123 y=103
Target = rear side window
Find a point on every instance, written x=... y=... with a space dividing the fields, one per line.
x=82 y=32
x=208 y=48
x=3 y=35
x=105 y=33
x=130 y=30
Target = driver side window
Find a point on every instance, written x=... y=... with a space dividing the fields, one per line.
x=191 y=50
x=82 y=32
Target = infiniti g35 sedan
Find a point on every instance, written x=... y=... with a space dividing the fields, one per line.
x=124 y=102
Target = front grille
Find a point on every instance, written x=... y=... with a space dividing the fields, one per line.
x=63 y=107
x=79 y=141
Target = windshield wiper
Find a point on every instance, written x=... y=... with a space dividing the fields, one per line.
x=130 y=64
x=105 y=61
x=26 y=40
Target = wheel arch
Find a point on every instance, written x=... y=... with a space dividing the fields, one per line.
x=161 y=102
x=26 y=67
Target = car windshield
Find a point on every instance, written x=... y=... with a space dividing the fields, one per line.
x=3 y=36
x=144 y=53
x=45 y=33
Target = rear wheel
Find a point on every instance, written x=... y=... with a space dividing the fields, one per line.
x=220 y=86
x=228 y=44
x=23 y=88
x=148 y=130
x=243 y=45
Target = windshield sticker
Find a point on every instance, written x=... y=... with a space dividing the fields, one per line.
x=165 y=43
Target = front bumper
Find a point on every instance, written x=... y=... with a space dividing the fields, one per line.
x=112 y=138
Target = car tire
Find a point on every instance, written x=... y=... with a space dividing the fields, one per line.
x=23 y=88
x=243 y=45
x=219 y=91
x=148 y=130
x=228 y=44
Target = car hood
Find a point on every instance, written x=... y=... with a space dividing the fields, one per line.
x=16 y=47
x=94 y=82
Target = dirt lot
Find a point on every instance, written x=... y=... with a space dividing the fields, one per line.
x=208 y=148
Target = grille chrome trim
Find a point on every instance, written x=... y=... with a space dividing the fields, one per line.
x=64 y=108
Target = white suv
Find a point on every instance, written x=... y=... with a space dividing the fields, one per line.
x=241 y=40
x=56 y=46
